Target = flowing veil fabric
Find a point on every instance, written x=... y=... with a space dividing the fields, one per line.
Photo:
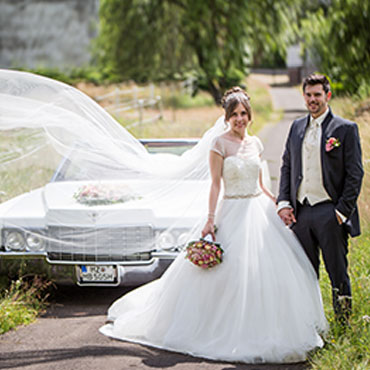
x=43 y=121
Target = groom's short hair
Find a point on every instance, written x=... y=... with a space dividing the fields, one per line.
x=315 y=79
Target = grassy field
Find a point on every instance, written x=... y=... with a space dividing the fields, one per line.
x=184 y=116
x=351 y=350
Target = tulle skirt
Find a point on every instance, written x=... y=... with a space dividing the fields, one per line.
x=261 y=304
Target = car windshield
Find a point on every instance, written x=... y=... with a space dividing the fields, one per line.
x=75 y=168
x=172 y=146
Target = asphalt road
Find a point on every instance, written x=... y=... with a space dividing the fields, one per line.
x=67 y=337
x=290 y=101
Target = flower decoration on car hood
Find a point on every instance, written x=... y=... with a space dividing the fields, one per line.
x=104 y=194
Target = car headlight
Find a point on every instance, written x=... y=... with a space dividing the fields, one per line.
x=15 y=241
x=35 y=242
x=166 y=240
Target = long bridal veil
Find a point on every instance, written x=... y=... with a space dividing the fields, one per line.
x=46 y=125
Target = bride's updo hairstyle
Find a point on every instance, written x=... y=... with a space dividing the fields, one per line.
x=232 y=98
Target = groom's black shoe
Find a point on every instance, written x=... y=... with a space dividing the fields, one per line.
x=342 y=308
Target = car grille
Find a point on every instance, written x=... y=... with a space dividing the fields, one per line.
x=79 y=244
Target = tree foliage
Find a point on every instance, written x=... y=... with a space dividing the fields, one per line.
x=212 y=41
x=337 y=37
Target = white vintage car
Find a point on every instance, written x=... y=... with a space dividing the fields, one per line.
x=96 y=243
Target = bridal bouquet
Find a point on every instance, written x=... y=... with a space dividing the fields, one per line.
x=93 y=195
x=204 y=253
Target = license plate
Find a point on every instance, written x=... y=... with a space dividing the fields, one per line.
x=97 y=274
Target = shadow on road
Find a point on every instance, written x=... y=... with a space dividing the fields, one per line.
x=151 y=358
x=74 y=301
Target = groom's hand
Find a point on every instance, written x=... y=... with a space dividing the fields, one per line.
x=340 y=221
x=287 y=215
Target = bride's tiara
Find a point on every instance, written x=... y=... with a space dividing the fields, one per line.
x=235 y=95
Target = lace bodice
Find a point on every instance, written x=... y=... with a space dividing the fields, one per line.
x=240 y=175
x=241 y=166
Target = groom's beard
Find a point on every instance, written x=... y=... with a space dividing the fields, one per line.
x=316 y=108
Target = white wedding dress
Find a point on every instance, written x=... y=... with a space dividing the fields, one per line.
x=261 y=304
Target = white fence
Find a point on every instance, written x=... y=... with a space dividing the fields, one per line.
x=134 y=100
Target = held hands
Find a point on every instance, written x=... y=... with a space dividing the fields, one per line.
x=287 y=215
x=209 y=228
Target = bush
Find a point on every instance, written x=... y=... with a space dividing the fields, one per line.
x=72 y=77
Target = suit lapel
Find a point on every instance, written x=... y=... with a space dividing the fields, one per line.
x=304 y=127
x=324 y=129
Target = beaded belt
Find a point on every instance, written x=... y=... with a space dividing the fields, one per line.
x=242 y=196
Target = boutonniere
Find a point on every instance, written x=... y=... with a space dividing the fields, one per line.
x=332 y=143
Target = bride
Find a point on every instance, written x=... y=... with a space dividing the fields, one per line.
x=262 y=303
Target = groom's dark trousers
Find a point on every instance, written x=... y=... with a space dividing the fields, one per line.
x=317 y=226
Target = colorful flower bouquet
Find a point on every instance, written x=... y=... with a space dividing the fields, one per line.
x=204 y=253
x=93 y=195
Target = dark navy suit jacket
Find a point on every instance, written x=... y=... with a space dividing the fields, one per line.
x=342 y=170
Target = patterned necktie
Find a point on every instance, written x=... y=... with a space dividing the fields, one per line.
x=313 y=133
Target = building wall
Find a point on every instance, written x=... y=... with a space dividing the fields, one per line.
x=47 y=33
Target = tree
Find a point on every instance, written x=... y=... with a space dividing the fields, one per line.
x=338 y=39
x=211 y=40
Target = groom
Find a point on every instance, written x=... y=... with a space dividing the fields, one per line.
x=320 y=181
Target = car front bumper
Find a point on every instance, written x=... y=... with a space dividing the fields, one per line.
x=132 y=274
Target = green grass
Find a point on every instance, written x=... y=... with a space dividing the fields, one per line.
x=349 y=350
x=26 y=163
x=14 y=181
x=262 y=108
x=22 y=302
x=182 y=100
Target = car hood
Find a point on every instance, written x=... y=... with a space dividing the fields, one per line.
x=26 y=210
x=62 y=207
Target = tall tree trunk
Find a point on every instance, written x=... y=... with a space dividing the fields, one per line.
x=216 y=92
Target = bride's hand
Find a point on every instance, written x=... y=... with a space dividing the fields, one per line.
x=209 y=228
